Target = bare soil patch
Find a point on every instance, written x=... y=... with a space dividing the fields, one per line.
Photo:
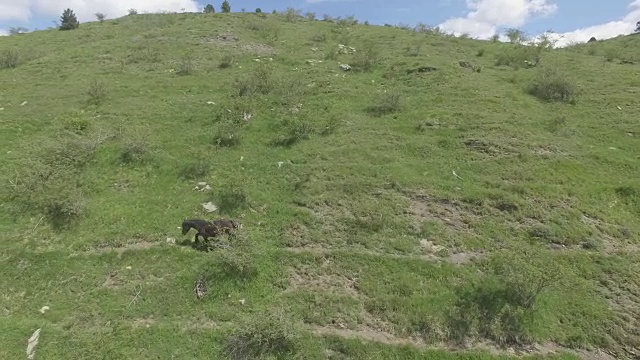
x=486 y=148
x=459 y=258
x=332 y=283
x=433 y=252
x=142 y=245
x=224 y=38
x=258 y=49
x=366 y=335
x=143 y=323
x=390 y=339
x=424 y=208
x=116 y=279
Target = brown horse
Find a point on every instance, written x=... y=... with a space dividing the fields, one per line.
x=226 y=226
x=204 y=228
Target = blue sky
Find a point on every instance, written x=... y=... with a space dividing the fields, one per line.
x=480 y=18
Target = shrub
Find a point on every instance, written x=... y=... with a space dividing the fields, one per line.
x=238 y=263
x=17 y=30
x=271 y=333
x=413 y=50
x=551 y=85
x=100 y=16
x=480 y=53
x=49 y=177
x=134 y=151
x=310 y=16
x=132 y=11
x=9 y=58
x=227 y=61
x=320 y=37
x=96 y=92
x=225 y=7
x=515 y=36
x=294 y=130
x=292 y=15
x=365 y=59
x=258 y=11
x=517 y=56
x=259 y=81
x=387 y=103
x=231 y=199
x=501 y=305
x=68 y=20
x=209 y=9
x=186 y=66
x=227 y=135
x=611 y=54
x=195 y=170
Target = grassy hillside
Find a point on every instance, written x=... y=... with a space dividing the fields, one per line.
x=459 y=212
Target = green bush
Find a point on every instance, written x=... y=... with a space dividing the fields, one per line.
x=228 y=134
x=294 y=130
x=259 y=81
x=387 y=103
x=195 y=170
x=227 y=61
x=9 y=58
x=502 y=304
x=68 y=20
x=186 y=66
x=365 y=58
x=270 y=333
x=48 y=177
x=209 y=9
x=551 y=85
x=96 y=92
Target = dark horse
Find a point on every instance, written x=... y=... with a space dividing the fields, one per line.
x=204 y=228
x=208 y=229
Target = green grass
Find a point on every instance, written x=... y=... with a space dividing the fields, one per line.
x=449 y=214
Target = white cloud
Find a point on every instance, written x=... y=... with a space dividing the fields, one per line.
x=4 y=32
x=24 y=10
x=626 y=25
x=485 y=16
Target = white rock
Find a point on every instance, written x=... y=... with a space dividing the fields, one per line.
x=171 y=240
x=23 y=103
x=44 y=308
x=31 y=344
x=280 y=163
x=209 y=206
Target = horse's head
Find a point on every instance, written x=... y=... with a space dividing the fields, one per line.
x=185 y=227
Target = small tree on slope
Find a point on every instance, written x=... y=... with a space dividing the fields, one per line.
x=225 y=7
x=68 y=20
x=209 y=9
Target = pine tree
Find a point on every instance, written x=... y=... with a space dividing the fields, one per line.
x=638 y=27
x=209 y=9
x=68 y=20
x=258 y=11
x=225 y=7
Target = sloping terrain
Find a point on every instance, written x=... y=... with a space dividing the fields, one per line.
x=440 y=197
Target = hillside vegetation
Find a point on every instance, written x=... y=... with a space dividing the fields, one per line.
x=445 y=198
